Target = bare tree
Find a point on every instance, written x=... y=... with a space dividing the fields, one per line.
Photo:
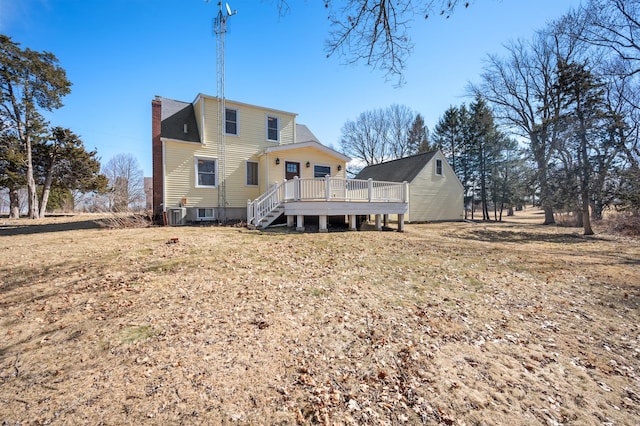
x=380 y=135
x=520 y=88
x=377 y=31
x=613 y=25
x=126 y=183
x=400 y=120
x=364 y=139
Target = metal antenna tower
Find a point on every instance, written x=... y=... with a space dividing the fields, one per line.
x=220 y=28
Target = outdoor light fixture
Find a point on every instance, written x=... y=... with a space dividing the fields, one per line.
x=277 y=161
x=308 y=164
x=339 y=167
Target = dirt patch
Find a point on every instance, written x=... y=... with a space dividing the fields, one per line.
x=443 y=324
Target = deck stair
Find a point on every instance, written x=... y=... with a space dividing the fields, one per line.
x=274 y=214
x=265 y=209
x=326 y=196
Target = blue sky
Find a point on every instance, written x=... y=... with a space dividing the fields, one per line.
x=119 y=54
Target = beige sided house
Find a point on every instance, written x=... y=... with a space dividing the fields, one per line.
x=255 y=164
x=435 y=192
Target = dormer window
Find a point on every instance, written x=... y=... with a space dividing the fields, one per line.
x=231 y=121
x=273 y=128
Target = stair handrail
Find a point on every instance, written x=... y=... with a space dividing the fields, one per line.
x=264 y=204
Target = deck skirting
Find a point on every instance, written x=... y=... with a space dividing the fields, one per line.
x=337 y=208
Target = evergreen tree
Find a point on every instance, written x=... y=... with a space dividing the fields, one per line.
x=418 y=137
x=64 y=165
x=582 y=112
x=12 y=170
x=448 y=136
x=29 y=81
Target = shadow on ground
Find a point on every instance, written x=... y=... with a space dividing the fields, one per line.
x=520 y=236
x=22 y=229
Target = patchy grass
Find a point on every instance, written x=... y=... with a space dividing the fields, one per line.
x=443 y=324
x=138 y=333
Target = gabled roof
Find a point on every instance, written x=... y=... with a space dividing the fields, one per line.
x=400 y=170
x=175 y=114
x=308 y=144
x=303 y=134
x=231 y=103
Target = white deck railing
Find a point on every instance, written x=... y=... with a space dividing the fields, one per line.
x=325 y=189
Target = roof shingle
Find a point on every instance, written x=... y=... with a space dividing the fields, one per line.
x=400 y=170
x=175 y=115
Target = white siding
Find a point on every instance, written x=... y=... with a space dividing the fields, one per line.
x=433 y=197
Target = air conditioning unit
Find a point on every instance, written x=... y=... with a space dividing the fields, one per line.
x=177 y=216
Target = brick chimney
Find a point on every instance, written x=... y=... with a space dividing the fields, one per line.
x=157 y=160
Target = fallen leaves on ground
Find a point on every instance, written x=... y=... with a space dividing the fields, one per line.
x=454 y=324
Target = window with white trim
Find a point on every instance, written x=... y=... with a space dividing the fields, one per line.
x=438 y=167
x=252 y=173
x=231 y=121
x=204 y=214
x=273 y=128
x=205 y=172
x=321 y=171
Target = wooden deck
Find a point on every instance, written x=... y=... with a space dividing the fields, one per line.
x=329 y=196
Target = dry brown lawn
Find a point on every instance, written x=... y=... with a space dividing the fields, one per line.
x=456 y=324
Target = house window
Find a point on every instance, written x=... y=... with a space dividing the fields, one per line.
x=231 y=121
x=205 y=172
x=272 y=128
x=438 y=167
x=205 y=214
x=252 y=173
x=321 y=171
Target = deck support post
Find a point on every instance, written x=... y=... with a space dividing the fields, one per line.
x=379 y=222
x=385 y=220
x=401 y=223
x=290 y=221
x=322 y=221
x=352 y=222
x=327 y=188
x=300 y=224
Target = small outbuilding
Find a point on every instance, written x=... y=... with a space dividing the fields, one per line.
x=435 y=192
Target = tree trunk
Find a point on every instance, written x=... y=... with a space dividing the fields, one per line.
x=32 y=194
x=541 y=163
x=596 y=210
x=579 y=218
x=14 y=203
x=473 y=206
x=585 y=213
x=548 y=216
x=46 y=190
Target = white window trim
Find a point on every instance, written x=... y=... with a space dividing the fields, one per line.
x=195 y=165
x=198 y=217
x=321 y=165
x=257 y=173
x=237 y=133
x=266 y=128
x=435 y=164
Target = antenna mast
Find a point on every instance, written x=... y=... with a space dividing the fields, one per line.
x=220 y=28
